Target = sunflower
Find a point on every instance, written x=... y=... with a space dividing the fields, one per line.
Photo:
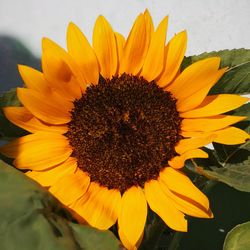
x=111 y=125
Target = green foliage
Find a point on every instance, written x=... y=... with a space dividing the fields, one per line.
x=229 y=163
x=30 y=218
x=234 y=160
x=235 y=169
x=9 y=98
x=7 y=129
x=238 y=238
x=237 y=78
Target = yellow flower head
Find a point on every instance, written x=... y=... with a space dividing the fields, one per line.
x=111 y=125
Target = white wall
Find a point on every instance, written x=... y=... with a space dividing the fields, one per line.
x=211 y=24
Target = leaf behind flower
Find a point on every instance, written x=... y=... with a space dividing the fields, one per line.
x=237 y=79
x=32 y=219
x=238 y=238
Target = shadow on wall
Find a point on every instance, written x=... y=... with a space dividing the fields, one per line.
x=13 y=52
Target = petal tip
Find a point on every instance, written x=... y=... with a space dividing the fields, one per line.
x=101 y=18
x=71 y=25
x=19 y=91
x=45 y=42
x=20 y=67
x=184 y=34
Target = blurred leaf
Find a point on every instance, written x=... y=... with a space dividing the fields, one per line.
x=7 y=129
x=238 y=238
x=9 y=98
x=237 y=78
x=32 y=219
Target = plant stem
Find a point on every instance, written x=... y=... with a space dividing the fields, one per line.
x=153 y=235
x=174 y=244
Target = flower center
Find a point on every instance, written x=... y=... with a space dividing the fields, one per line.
x=123 y=131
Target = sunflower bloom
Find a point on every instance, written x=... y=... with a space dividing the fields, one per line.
x=112 y=124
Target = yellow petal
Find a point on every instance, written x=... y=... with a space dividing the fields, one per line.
x=21 y=117
x=196 y=133
x=149 y=23
x=104 y=44
x=231 y=136
x=60 y=76
x=49 y=108
x=196 y=95
x=49 y=177
x=125 y=241
x=136 y=47
x=228 y=136
x=153 y=63
x=70 y=187
x=120 y=42
x=99 y=206
x=185 y=145
x=34 y=79
x=194 y=77
x=62 y=71
x=179 y=161
x=180 y=184
x=211 y=123
x=38 y=151
x=132 y=217
x=185 y=204
x=164 y=206
x=82 y=52
x=215 y=105
x=174 y=53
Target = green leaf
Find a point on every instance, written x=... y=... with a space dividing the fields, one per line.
x=228 y=163
x=93 y=239
x=9 y=98
x=32 y=219
x=238 y=238
x=7 y=129
x=235 y=170
x=237 y=78
x=224 y=151
x=243 y=111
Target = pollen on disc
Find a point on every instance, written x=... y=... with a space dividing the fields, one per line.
x=123 y=131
